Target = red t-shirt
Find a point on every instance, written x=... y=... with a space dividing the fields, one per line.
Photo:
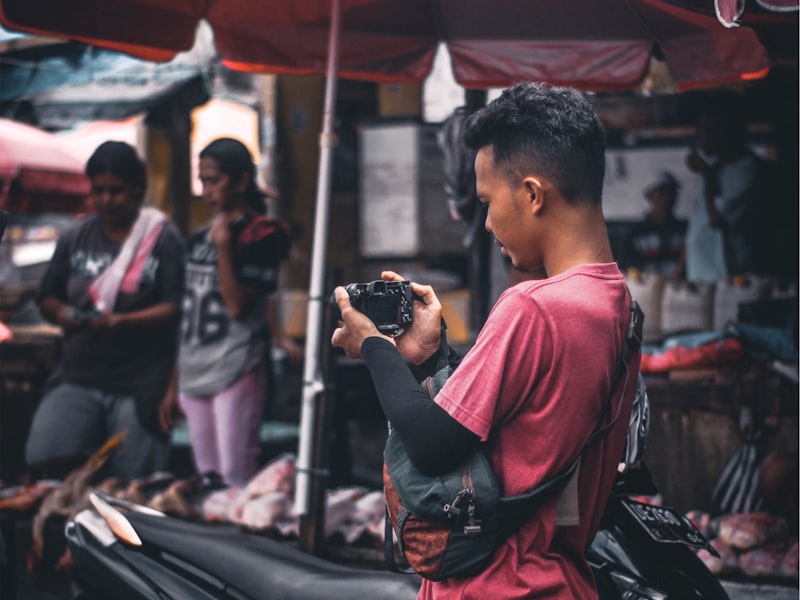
x=532 y=387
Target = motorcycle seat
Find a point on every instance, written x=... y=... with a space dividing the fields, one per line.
x=259 y=567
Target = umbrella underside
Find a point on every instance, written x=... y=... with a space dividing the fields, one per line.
x=602 y=46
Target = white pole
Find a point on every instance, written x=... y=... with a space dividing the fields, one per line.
x=313 y=384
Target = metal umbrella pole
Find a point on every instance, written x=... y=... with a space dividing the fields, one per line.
x=313 y=384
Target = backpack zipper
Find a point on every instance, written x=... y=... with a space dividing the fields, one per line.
x=473 y=526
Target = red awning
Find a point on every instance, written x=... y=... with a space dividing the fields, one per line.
x=602 y=46
x=37 y=162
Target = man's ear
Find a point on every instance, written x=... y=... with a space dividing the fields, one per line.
x=535 y=191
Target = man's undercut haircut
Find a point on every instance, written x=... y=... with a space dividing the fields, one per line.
x=538 y=128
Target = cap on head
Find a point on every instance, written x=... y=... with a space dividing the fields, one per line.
x=665 y=179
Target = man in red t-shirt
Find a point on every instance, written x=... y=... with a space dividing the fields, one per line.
x=534 y=385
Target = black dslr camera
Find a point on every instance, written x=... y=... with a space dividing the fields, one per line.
x=388 y=304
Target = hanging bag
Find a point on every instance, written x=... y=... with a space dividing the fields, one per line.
x=449 y=525
x=736 y=490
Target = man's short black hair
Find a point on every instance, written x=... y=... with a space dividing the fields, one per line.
x=552 y=130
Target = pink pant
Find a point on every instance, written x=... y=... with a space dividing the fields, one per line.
x=224 y=428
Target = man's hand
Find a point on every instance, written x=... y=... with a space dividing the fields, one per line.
x=354 y=327
x=696 y=164
x=421 y=339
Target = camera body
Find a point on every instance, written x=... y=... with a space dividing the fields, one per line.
x=388 y=304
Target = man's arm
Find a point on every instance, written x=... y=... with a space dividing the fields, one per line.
x=710 y=188
x=435 y=441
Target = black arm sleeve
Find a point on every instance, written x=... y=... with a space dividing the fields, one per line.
x=435 y=441
x=428 y=368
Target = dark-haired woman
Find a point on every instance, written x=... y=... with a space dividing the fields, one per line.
x=114 y=286
x=231 y=277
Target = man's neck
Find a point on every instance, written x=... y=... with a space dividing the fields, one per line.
x=584 y=240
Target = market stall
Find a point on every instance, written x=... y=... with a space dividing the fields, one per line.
x=26 y=361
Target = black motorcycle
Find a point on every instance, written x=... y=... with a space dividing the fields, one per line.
x=129 y=551
x=641 y=552
x=646 y=552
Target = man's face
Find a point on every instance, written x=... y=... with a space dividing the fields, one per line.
x=661 y=201
x=508 y=213
x=710 y=134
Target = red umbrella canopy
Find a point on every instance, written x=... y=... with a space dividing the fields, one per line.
x=37 y=162
x=602 y=46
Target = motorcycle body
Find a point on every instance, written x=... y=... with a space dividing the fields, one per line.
x=137 y=553
x=641 y=551
x=126 y=551
x=647 y=552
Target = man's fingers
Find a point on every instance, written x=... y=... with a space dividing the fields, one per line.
x=426 y=293
x=391 y=276
x=342 y=298
x=335 y=337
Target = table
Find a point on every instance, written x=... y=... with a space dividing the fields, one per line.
x=697 y=419
x=26 y=361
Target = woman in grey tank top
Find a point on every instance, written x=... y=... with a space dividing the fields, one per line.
x=231 y=272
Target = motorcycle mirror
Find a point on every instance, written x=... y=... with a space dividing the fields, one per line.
x=119 y=525
x=128 y=505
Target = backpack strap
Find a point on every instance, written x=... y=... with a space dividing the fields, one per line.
x=388 y=547
x=516 y=510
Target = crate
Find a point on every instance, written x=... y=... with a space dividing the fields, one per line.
x=455 y=310
x=293 y=307
x=403 y=209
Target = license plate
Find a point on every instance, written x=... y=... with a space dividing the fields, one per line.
x=665 y=524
